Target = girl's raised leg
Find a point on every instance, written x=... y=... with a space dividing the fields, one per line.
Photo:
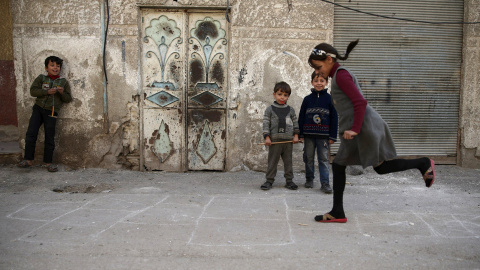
x=425 y=165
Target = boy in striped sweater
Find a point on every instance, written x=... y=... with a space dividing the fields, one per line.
x=318 y=123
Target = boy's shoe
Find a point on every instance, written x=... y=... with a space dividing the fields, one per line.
x=309 y=183
x=291 y=185
x=24 y=164
x=52 y=168
x=326 y=188
x=266 y=186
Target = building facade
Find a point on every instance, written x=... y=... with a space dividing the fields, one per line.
x=182 y=85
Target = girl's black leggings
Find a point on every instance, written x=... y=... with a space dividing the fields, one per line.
x=398 y=165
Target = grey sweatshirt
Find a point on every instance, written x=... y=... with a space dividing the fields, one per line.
x=280 y=123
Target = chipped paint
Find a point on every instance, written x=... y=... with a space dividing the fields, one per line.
x=162 y=146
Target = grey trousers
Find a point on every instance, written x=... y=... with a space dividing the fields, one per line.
x=275 y=151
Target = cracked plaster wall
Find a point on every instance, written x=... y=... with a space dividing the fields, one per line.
x=469 y=125
x=269 y=42
x=71 y=30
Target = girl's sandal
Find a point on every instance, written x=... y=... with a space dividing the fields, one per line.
x=52 y=168
x=429 y=175
x=24 y=164
x=329 y=218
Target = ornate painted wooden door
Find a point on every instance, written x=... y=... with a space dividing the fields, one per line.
x=184 y=67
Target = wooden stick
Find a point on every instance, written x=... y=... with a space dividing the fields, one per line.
x=53 y=109
x=279 y=142
x=53 y=105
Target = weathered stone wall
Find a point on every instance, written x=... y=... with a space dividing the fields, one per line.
x=469 y=152
x=72 y=31
x=269 y=41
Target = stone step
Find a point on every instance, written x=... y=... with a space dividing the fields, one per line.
x=10 y=153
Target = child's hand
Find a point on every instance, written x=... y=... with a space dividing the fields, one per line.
x=295 y=138
x=348 y=134
x=52 y=91
x=60 y=90
x=268 y=142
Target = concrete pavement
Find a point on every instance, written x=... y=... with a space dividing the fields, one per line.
x=101 y=219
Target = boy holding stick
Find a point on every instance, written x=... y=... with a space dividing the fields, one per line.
x=279 y=127
x=50 y=91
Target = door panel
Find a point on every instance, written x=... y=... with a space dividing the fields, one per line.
x=207 y=66
x=164 y=142
x=175 y=44
x=206 y=139
x=163 y=50
x=163 y=80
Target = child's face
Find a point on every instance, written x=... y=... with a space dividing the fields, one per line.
x=53 y=69
x=319 y=83
x=280 y=97
x=323 y=67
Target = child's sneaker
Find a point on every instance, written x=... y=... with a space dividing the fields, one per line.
x=24 y=164
x=266 y=186
x=326 y=188
x=309 y=183
x=291 y=185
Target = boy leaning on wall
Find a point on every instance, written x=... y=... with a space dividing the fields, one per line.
x=280 y=130
x=50 y=91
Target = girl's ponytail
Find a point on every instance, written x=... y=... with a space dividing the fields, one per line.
x=322 y=50
x=349 y=49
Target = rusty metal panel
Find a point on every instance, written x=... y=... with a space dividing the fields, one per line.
x=206 y=91
x=184 y=66
x=206 y=139
x=207 y=61
x=163 y=80
x=409 y=71
x=163 y=51
x=164 y=142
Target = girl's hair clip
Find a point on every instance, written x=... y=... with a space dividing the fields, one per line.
x=322 y=53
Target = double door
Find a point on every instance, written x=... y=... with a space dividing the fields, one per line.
x=184 y=81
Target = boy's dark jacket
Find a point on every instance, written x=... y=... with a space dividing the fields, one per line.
x=318 y=116
x=39 y=90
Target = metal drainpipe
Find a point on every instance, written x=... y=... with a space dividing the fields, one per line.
x=105 y=79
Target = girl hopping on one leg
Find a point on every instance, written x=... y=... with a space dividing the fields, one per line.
x=365 y=138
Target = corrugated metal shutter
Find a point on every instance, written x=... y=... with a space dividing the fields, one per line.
x=409 y=72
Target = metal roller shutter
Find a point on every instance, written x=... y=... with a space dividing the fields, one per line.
x=409 y=71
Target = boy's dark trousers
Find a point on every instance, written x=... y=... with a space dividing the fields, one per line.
x=40 y=116
x=275 y=151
